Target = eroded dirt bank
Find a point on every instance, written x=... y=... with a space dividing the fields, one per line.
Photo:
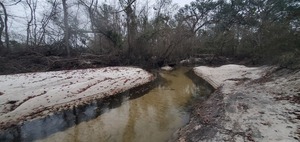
x=249 y=104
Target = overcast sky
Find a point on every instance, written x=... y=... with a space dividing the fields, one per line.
x=21 y=12
x=182 y=2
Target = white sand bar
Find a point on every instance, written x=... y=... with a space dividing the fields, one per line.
x=227 y=74
x=24 y=95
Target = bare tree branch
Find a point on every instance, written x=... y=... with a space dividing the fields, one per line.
x=14 y=3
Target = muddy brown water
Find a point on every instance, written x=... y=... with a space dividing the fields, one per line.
x=152 y=117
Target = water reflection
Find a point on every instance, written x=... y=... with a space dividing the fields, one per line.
x=153 y=117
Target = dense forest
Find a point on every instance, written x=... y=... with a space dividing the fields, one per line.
x=67 y=34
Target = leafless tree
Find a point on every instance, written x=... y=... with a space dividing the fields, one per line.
x=66 y=28
x=5 y=25
x=32 y=6
x=129 y=9
x=2 y=24
x=91 y=8
x=47 y=16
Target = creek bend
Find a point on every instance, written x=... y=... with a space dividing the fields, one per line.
x=152 y=116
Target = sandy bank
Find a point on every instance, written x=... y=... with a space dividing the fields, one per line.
x=26 y=96
x=228 y=74
x=250 y=104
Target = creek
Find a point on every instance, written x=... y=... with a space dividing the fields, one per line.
x=152 y=116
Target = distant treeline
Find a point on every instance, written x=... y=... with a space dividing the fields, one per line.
x=134 y=32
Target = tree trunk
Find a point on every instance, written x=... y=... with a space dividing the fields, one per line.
x=35 y=23
x=29 y=22
x=92 y=15
x=6 y=27
x=1 y=32
x=131 y=25
x=66 y=28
